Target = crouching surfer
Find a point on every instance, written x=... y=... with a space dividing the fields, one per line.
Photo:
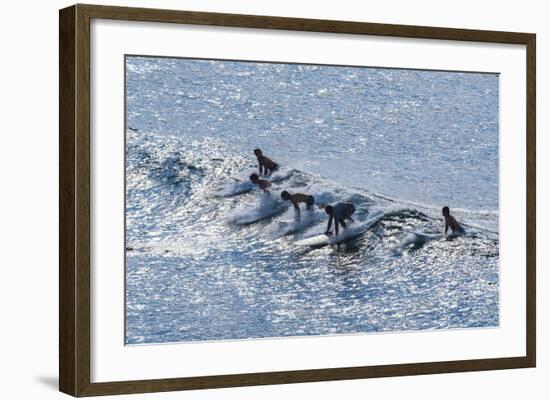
x=265 y=163
x=340 y=212
x=450 y=222
x=263 y=184
x=296 y=199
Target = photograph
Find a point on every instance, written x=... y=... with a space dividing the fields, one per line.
x=269 y=199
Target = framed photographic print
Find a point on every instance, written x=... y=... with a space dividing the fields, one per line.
x=250 y=200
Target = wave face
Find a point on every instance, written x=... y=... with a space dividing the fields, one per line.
x=209 y=257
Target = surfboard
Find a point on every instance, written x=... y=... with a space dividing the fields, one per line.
x=287 y=224
x=323 y=239
x=454 y=235
x=425 y=236
x=354 y=231
x=317 y=240
x=428 y=237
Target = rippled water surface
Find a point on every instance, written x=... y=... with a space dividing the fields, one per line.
x=209 y=258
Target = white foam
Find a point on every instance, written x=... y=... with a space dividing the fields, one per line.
x=288 y=224
x=265 y=206
x=234 y=189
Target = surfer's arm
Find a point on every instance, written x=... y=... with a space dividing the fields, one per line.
x=446 y=227
x=329 y=225
x=260 y=165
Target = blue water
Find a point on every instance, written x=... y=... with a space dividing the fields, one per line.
x=208 y=257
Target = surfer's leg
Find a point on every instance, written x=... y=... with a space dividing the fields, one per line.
x=310 y=203
x=296 y=213
x=343 y=223
x=351 y=211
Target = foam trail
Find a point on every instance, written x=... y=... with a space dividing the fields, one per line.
x=237 y=188
x=266 y=206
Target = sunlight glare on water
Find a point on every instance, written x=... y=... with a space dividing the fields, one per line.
x=210 y=258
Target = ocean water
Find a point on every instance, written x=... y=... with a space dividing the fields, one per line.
x=209 y=257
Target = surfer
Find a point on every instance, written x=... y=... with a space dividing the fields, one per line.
x=263 y=184
x=298 y=198
x=339 y=212
x=450 y=222
x=265 y=163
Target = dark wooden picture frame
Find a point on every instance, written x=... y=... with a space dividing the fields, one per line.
x=74 y=200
